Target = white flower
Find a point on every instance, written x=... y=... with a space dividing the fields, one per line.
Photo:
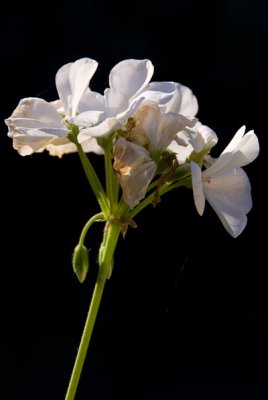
x=136 y=156
x=194 y=139
x=136 y=169
x=36 y=125
x=129 y=86
x=225 y=185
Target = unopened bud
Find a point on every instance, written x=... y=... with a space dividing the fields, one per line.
x=80 y=262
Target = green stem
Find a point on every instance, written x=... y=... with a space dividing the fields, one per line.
x=163 y=189
x=97 y=217
x=107 y=249
x=112 y=184
x=94 y=181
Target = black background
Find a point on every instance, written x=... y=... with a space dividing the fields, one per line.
x=184 y=315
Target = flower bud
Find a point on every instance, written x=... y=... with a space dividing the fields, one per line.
x=80 y=262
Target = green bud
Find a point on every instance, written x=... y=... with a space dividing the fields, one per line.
x=80 y=262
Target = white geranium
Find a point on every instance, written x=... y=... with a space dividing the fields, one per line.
x=137 y=155
x=135 y=170
x=129 y=86
x=225 y=185
x=37 y=125
x=193 y=139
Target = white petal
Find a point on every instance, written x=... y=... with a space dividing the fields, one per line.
x=170 y=125
x=147 y=118
x=159 y=92
x=60 y=146
x=135 y=184
x=230 y=196
x=27 y=145
x=128 y=153
x=34 y=113
x=183 y=102
x=91 y=145
x=35 y=140
x=240 y=151
x=129 y=111
x=104 y=128
x=81 y=72
x=201 y=137
x=63 y=85
x=24 y=124
x=116 y=103
x=159 y=129
x=246 y=151
x=57 y=104
x=131 y=76
x=136 y=170
x=235 y=140
x=88 y=118
x=35 y=124
x=91 y=101
x=198 y=192
x=182 y=152
x=55 y=132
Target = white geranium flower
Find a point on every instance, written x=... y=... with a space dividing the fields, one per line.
x=136 y=156
x=129 y=86
x=136 y=169
x=225 y=185
x=194 y=139
x=37 y=125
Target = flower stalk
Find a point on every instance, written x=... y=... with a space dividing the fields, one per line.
x=94 y=182
x=110 y=238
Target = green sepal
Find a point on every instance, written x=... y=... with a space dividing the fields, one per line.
x=198 y=157
x=181 y=172
x=80 y=262
x=74 y=131
x=106 y=142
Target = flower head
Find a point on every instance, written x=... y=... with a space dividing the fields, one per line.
x=225 y=185
x=37 y=125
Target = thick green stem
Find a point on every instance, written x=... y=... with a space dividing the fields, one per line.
x=107 y=249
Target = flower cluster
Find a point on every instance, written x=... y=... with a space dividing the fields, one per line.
x=155 y=142
x=151 y=142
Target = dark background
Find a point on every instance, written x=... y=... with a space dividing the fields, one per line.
x=185 y=313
